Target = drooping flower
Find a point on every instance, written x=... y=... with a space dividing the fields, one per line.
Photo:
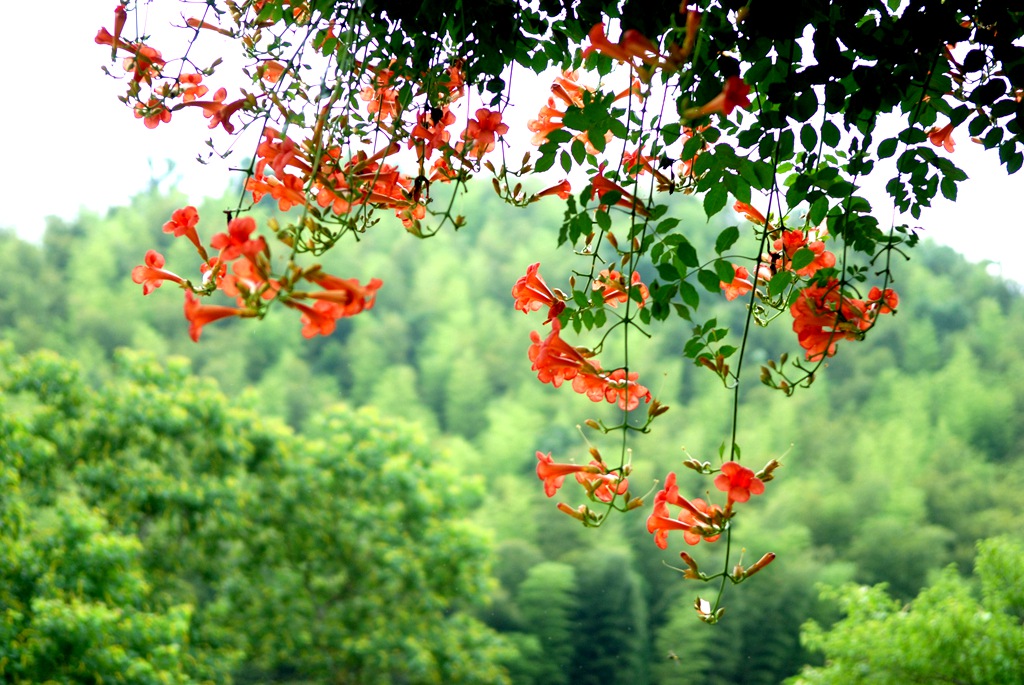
x=822 y=316
x=734 y=94
x=183 y=223
x=697 y=519
x=247 y=279
x=885 y=301
x=625 y=390
x=430 y=132
x=942 y=137
x=199 y=315
x=600 y=186
x=548 y=119
x=740 y=284
x=793 y=241
x=192 y=87
x=236 y=242
x=692 y=26
x=120 y=18
x=555 y=360
x=455 y=85
x=554 y=474
x=750 y=213
x=146 y=63
x=383 y=102
x=217 y=112
x=320 y=319
x=271 y=71
x=481 y=132
x=346 y=294
x=562 y=189
x=614 y=290
x=632 y=45
x=601 y=484
x=738 y=481
x=152 y=275
x=288 y=189
x=532 y=293
x=153 y=113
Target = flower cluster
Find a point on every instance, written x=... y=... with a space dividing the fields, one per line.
x=595 y=477
x=556 y=361
x=699 y=520
x=822 y=314
x=313 y=173
x=242 y=270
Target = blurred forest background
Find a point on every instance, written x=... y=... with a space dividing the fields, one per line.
x=363 y=508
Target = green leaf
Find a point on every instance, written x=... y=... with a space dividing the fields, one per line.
x=830 y=134
x=738 y=186
x=667 y=225
x=819 y=208
x=611 y=197
x=579 y=151
x=978 y=125
x=840 y=189
x=689 y=294
x=913 y=135
x=671 y=133
x=887 y=148
x=715 y=199
x=1015 y=163
x=693 y=347
x=808 y=137
x=556 y=138
x=726 y=239
x=565 y=161
x=779 y=283
x=724 y=271
x=710 y=280
x=575 y=118
x=666 y=272
x=805 y=105
x=687 y=255
x=717 y=334
x=802 y=258
x=948 y=188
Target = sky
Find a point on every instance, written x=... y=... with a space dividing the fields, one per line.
x=72 y=146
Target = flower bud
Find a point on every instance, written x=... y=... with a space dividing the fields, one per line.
x=591 y=423
x=765 y=474
x=656 y=408
x=693 y=572
x=575 y=513
x=761 y=563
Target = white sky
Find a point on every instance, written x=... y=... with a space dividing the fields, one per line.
x=71 y=145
